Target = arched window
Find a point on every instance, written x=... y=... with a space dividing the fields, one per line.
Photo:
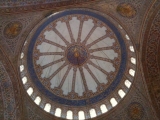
x=127 y=37
x=37 y=100
x=58 y=112
x=92 y=113
x=132 y=72
x=30 y=91
x=47 y=107
x=69 y=115
x=25 y=43
x=21 y=68
x=120 y=26
x=127 y=83
x=24 y=80
x=103 y=108
x=131 y=48
x=81 y=115
x=133 y=60
x=121 y=93
x=113 y=102
x=22 y=55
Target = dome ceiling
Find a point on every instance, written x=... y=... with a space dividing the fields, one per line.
x=78 y=58
x=75 y=51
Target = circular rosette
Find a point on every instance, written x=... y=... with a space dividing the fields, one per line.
x=12 y=29
x=77 y=55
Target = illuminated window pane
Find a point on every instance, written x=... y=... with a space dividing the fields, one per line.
x=113 y=102
x=132 y=72
x=121 y=93
x=24 y=80
x=37 y=100
x=120 y=26
x=58 y=112
x=47 y=107
x=92 y=113
x=103 y=108
x=25 y=43
x=21 y=68
x=22 y=55
x=127 y=37
x=30 y=91
x=81 y=115
x=127 y=83
x=69 y=114
x=133 y=60
x=131 y=48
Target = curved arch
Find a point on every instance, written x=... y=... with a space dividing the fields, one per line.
x=121 y=93
x=81 y=115
x=37 y=100
x=30 y=91
x=58 y=112
x=69 y=115
x=113 y=102
x=150 y=58
x=47 y=107
x=24 y=80
x=92 y=113
x=103 y=108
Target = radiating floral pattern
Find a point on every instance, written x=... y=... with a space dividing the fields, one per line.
x=77 y=55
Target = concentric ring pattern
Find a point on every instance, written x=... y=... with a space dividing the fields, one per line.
x=78 y=58
x=76 y=55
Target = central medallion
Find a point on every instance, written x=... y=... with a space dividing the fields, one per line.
x=77 y=55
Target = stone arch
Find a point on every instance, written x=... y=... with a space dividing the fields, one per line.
x=151 y=58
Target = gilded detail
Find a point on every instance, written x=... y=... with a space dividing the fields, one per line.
x=12 y=29
x=76 y=55
x=126 y=10
x=136 y=111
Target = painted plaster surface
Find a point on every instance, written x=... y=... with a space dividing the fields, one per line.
x=7 y=95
